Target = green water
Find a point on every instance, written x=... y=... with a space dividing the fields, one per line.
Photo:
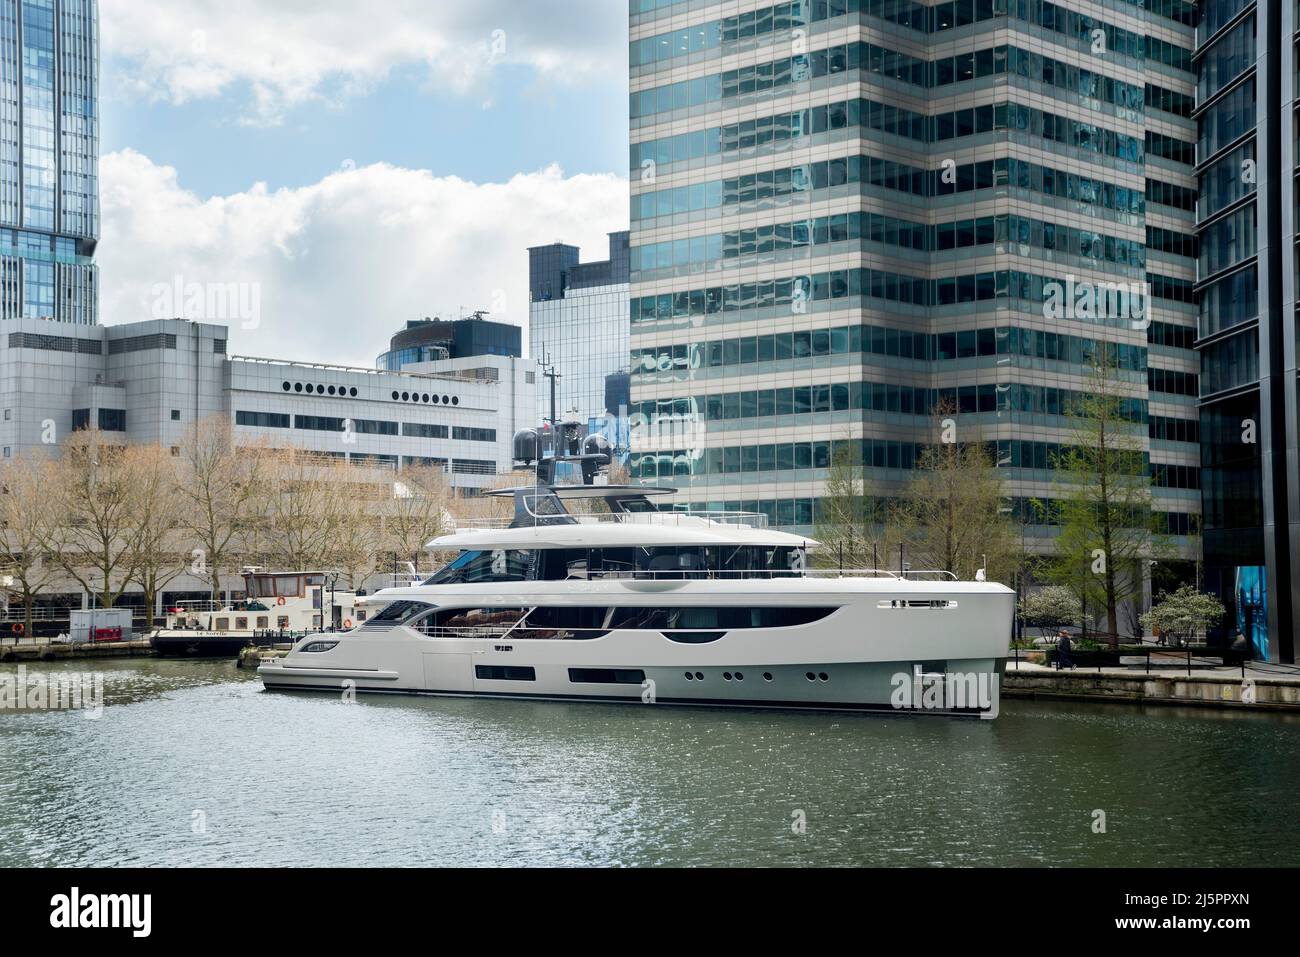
x=194 y=764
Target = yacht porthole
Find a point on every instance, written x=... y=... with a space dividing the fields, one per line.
x=726 y=676
x=394 y=396
x=353 y=392
x=739 y=676
x=331 y=390
x=767 y=676
x=287 y=387
x=699 y=676
x=810 y=676
x=689 y=676
x=824 y=676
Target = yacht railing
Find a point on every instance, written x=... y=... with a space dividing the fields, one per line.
x=578 y=572
x=676 y=518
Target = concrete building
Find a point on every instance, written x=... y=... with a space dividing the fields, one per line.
x=151 y=381
x=846 y=215
x=578 y=323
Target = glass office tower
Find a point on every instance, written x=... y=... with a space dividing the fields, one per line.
x=577 y=325
x=1246 y=110
x=49 y=159
x=847 y=214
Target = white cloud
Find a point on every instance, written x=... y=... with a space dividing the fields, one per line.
x=286 y=52
x=335 y=267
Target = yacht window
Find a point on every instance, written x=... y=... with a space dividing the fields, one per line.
x=503 y=565
x=399 y=613
x=319 y=647
x=568 y=623
x=606 y=676
x=470 y=622
x=504 y=673
x=692 y=618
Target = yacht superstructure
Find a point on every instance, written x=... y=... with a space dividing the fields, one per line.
x=594 y=593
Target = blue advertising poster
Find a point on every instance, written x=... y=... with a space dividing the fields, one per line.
x=1252 y=607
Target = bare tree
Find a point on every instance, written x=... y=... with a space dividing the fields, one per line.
x=159 y=504
x=221 y=487
x=951 y=514
x=420 y=510
x=301 y=511
x=26 y=516
x=846 y=522
x=356 y=516
x=93 y=492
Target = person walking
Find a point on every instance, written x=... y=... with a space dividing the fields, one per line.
x=1063 y=651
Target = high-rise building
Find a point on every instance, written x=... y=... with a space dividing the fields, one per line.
x=49 y=159
x=1247 y=217
x=847 y=214
x=578 y=325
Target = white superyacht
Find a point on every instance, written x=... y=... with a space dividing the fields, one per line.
x=594 y=593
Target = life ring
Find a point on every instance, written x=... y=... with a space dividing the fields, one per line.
x=347 y=623
x=18 y=628
x=280 y=600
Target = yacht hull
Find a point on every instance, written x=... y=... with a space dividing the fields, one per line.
x=873 y=654
x=180 y=644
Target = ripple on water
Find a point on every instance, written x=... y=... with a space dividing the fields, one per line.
x=192 y=763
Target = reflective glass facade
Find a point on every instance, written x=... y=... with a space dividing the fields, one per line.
x=1248 y=82
x=578 y=323
x=49 y=159
x=848 y=213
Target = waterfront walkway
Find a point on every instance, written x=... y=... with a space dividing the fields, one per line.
x=1170 y=680
x=45 y=649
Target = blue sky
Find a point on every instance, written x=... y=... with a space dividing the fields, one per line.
x=350 y=172
x=405 y=121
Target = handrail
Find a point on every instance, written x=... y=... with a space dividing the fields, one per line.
x=674 y=517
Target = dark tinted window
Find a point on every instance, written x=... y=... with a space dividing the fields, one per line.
x=606 y=676
x=504 y=673
x=398 y=613
x=495 y=566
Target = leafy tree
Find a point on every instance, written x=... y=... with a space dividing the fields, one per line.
x=1183 y=614
x=1103 y=492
